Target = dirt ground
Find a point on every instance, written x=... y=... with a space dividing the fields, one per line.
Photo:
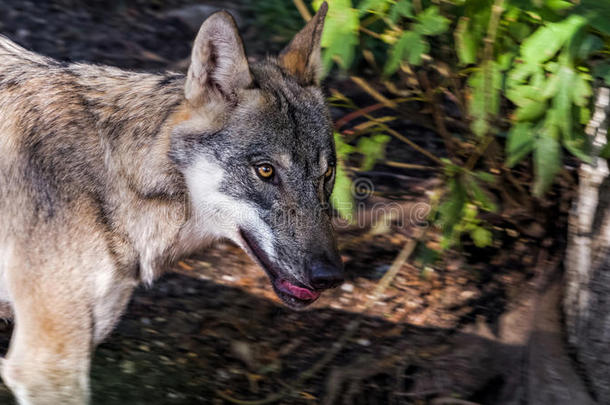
x=212 y=328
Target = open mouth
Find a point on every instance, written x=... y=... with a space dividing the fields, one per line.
x=292 y=293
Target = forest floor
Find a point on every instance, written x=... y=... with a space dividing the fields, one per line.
x=212 y=327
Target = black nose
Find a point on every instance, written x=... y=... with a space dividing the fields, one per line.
x=326 y=275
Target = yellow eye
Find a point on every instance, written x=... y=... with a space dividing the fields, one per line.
x=329 y=172
x=265 y=171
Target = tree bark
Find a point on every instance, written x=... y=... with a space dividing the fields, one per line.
x=587 y=290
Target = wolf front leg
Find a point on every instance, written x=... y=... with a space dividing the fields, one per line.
x=49 y=356
x=51 y=290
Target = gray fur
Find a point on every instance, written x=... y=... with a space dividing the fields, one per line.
x=109 y=176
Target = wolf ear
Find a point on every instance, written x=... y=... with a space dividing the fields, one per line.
x=219 y=67
x=301 y=57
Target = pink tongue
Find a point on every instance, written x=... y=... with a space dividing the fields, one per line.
x=299 y=292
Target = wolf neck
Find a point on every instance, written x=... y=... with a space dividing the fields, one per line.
x=135 y=114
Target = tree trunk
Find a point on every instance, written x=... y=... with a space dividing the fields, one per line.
x=587 y=290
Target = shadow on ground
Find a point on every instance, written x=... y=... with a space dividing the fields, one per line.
x=184 y=339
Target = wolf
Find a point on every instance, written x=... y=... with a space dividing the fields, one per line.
x=109 y=176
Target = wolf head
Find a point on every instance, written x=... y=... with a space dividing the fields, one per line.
x=256 y=149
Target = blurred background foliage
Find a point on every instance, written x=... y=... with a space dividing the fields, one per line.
x=508 y=84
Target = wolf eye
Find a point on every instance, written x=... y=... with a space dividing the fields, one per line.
x=265 y=171
x=329 y=172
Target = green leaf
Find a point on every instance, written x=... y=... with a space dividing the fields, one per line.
x=538 y=81
x=596 y=12
x=530 y=111
x=478 y=195
x=513 y=10
x=411 y=46
x=519 y=31
x=552 y=67
x=341 y=198
x=450 y=211
x=558 y=5
x=483 y=102
x=340 y=35
x=403 y=8
x=486 y=177
x=465 y=42
x=398 y=51
x=578 y=147
x=420 y=48
x=520 y=143
x=430 y=22
x=481 y=237
x=584 y=115
x=523 y=95
x=450 y=169
x=561 y=115
x=582 y=91
x=543 y=44
x=343 y=148
x=373 y=6
x=547 y=159
x=373 y=149
x=522 y=72
x=552 y=87
x=505 y=60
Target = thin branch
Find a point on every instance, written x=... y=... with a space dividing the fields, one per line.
x=437 y=114
x=369 y=32
x=358 y=113
x=406 y=140
x=303 y=10
x=408 y=165
x=490 y=40
x=472 y=160
x=412 y=144
x=389 y=130
x=372 y=92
